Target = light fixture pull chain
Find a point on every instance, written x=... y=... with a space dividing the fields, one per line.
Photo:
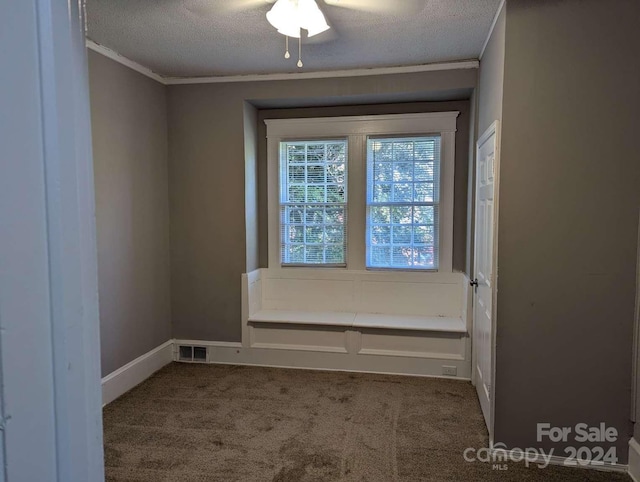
x=286 y=47
x=300 y=64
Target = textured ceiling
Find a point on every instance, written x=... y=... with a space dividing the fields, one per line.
x=189 y=38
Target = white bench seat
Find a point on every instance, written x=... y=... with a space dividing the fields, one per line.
x=361 y=320
x=328 y=318
x=414 y=323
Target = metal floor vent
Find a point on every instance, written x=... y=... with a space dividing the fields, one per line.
x=190 y=353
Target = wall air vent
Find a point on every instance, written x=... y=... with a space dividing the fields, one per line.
x=188 y=353
x=200 y=353
x=185 y=353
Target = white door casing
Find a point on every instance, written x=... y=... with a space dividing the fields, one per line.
x=485 y=258
x=50 y=397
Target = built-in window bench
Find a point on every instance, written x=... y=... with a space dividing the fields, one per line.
x=364 y=319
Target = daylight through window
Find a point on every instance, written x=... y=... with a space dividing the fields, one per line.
x=313 y=197
x=402 y=202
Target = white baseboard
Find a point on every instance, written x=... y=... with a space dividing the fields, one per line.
x=634 y=460
x=226 y=344
x=135 y=372
x=225 y=353
x=564 y=461
x=233 y=353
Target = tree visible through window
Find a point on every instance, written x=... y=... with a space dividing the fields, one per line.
x=402 y=202
x=398 y=211
x=313 y=200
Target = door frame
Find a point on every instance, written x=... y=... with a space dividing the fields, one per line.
x=494 y=128
x=50 y=395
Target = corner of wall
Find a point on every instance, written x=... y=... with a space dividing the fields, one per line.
x=250 y=127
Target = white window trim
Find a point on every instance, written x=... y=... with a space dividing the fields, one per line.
x=357 y=129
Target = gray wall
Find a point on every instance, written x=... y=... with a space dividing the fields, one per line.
x=491 y=77
x=568 y=224
x=129 y=129
x=636 y=428
x=207 y=179
x=251 y=185
x=461 y=161
x=486 y=108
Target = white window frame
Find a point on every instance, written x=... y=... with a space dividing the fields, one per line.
x=357 y=129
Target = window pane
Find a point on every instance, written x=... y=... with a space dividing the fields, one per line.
x=381 y=255
x=402 y=257
x=402 y=192
x=423 y=171
x=402 y=197
x=383 y=171
x=334 y=234
x=401 y=214
x=382 y=192
x=423 y=235
x=313 y=196
x=316 y=174
x=381 y=215
x=403 y=171
x=297 y=193
x=296 y=253
x=295 y=234
x=424 y=257
x=296 y=175
x=335 y=215
x=402 y=235
x=424 y=215
x=423 y=192
x=335 y=193
x=316 y=194
x=380 y=235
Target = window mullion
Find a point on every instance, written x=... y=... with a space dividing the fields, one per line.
x=356 y=202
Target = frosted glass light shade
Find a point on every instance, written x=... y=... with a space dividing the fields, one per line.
x=289 y=16
x=284 y=17
x=311 y=17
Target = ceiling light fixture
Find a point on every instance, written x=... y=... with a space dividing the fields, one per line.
x=289 y=17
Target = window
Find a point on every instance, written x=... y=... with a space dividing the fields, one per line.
x=313 y=202
x=403 y=181
x=358 y=193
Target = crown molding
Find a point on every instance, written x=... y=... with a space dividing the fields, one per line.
x=328 y=74
x=409 y=69
x=121 y=59
x=491 y=29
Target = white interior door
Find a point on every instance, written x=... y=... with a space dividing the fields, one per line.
x=484 y=270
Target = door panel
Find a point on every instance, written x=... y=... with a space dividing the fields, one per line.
x=483 y=315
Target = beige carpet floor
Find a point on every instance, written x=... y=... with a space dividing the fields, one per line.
x=191 y=423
